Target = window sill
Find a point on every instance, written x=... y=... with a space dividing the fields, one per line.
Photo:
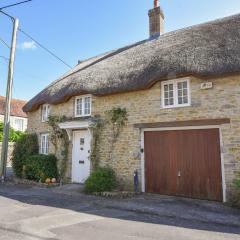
x=179 y=106
x=82 y=116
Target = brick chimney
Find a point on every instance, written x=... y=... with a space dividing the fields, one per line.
x=156 y=20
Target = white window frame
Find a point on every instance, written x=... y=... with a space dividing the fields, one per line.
x=16 y=126
x=45 y=112
x=44 y=144
x=83 y=97
x=175 y=93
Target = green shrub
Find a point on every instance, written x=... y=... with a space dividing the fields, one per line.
x=101 y=180
x=13 y=134
x=24 y=147
x=40 y=167
x=235 y=193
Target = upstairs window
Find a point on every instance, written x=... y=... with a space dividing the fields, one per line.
x=44 y=144
x=18 y=124
x=45 y=112
x=176 y=93
x=83 y=106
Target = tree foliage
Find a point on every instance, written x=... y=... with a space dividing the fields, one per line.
x=13 y=134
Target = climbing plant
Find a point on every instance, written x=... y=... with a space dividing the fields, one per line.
x=116 y=118
x=60 y=141
x=97 y=128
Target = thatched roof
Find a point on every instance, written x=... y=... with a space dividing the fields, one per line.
x=207 y=49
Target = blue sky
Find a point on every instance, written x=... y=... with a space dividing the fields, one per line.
x=78 y=29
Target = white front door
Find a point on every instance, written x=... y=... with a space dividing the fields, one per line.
x=81 y=156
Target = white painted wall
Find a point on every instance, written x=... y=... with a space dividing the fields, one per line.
x=13 y=122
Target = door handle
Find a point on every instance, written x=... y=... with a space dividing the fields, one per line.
x=81 y=162
x=179 y=173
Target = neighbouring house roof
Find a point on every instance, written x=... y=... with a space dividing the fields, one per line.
x=207 y=49
x=16 y=107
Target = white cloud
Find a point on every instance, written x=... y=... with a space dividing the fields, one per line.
x=28 y=45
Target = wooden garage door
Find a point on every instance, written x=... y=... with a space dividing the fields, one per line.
x=184 y=163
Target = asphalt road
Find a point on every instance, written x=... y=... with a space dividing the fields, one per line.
x=28 y=213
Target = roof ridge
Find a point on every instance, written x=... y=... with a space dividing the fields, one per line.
x=223 y=19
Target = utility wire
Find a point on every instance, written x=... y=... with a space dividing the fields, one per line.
x=15 y=4
x=4 y=43
x=5 y=58
x=46 y=49
x=37 y=42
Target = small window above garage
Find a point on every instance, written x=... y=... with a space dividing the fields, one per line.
x=176 y=93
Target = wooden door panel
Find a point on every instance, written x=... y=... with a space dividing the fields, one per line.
x=195 y=154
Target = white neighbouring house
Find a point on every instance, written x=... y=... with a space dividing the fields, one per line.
x=18 y=119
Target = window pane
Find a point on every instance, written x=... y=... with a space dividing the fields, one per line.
x=42 y=144
x=19 y=124
x=47 y=145
x=87 y=106
x=185 y=100
x=168 y=95
x=79 y=106
x=47 y=112
x=182 y=92
x=185 y=92
x=43 y=113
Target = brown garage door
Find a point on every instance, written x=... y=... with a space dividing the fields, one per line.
x=184 y=163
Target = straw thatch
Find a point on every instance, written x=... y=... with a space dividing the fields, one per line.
x=207 y=49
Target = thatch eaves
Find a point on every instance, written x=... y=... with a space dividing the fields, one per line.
x=205 y=50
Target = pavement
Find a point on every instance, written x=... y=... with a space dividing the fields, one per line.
x=30 y=213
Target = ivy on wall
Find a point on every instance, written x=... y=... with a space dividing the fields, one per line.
x=116 y=118
x=97 y=128
x=60 y=141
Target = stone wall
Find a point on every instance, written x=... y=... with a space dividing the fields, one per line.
x=10 y=150
x=222 y=101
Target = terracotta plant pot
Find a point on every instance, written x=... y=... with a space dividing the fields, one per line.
x=48 y=180
x=53 y=180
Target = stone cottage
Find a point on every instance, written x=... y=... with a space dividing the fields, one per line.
x=181 y=91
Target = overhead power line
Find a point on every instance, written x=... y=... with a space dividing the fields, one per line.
x=15 y=4
x=45 y=48
x=5 y=58
x=4 y=43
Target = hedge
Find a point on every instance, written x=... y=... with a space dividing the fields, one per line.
x=24 y=147
x=40 y=167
